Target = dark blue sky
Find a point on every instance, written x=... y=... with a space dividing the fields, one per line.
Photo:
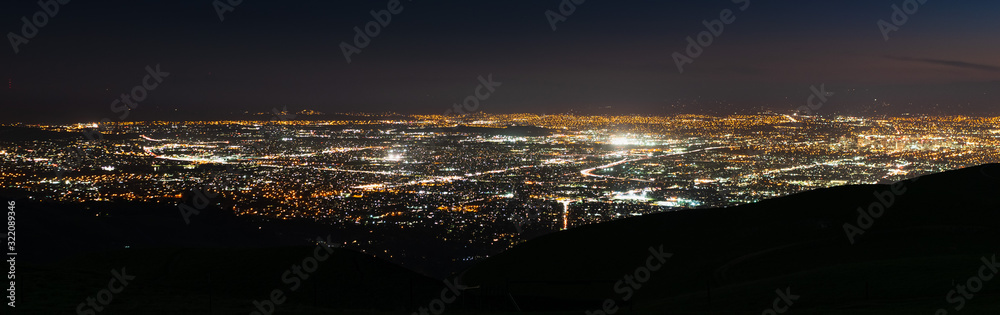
x=607 y=57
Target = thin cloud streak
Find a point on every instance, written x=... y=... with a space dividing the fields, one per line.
x=952 y=63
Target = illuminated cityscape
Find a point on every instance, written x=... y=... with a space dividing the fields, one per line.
x=483 y=183
x=501 y=157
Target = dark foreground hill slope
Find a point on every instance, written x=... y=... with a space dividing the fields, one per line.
x=933 y=234
x=217 y=264
x=932 y=237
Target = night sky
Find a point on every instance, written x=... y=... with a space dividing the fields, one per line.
x=607 y=57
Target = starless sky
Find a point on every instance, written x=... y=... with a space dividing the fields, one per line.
x=607 y=57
